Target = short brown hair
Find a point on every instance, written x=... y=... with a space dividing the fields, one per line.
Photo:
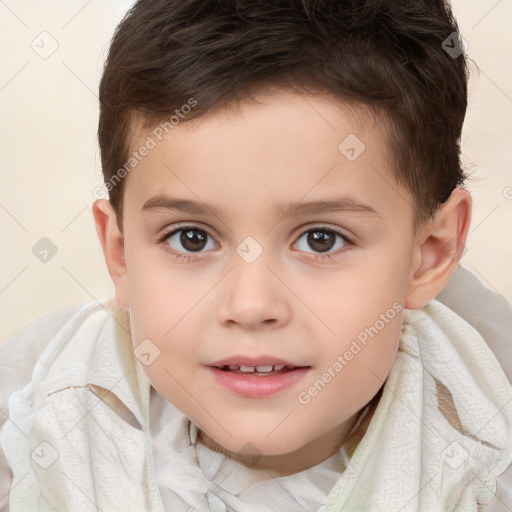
x=388 y=55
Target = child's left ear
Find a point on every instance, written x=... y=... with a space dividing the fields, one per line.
x=439 y=248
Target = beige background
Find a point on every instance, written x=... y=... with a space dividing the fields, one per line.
x=50 y=159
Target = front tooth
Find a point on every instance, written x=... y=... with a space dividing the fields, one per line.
x=279 y=366
x=244 y=368
x=265 y=369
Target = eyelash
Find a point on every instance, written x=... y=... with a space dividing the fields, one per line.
x=188 y=257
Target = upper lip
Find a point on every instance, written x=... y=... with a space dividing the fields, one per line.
x=262 y=360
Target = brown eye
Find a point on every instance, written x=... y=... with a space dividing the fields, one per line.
x=193 y=240
x=188 y=239
x=322 y=240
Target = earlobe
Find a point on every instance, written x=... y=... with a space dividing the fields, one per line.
x=112 y=243
x=442 y=246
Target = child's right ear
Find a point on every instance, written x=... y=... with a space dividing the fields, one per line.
x=113 y=248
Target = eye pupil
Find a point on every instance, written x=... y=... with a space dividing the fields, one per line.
x=193 y=239
x=321 y=241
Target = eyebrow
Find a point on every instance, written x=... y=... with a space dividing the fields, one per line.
x=336 y=204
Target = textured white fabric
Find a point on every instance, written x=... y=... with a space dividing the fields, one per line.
x=447 y=403
x=491 y=315
x=399 y=464
x=200 y=477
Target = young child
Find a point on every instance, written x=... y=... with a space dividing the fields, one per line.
x=297 y=358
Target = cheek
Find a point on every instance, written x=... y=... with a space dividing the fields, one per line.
x=164 y=309
x=162 y=297
x=172 y=326
x=176 y=363
x=363 y=310
x=358 y=366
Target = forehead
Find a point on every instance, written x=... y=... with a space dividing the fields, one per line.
x=279 y=148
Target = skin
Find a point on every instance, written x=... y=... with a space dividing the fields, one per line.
x=245 y=160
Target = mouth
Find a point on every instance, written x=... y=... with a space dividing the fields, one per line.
x=264 y=365
x=257 y=377
x=259 y=370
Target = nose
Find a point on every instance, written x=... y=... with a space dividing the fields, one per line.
x=251 y=296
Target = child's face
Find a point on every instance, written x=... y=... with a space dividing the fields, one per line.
x=257 y=280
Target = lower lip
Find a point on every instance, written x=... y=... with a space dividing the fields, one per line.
x=256 y=386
